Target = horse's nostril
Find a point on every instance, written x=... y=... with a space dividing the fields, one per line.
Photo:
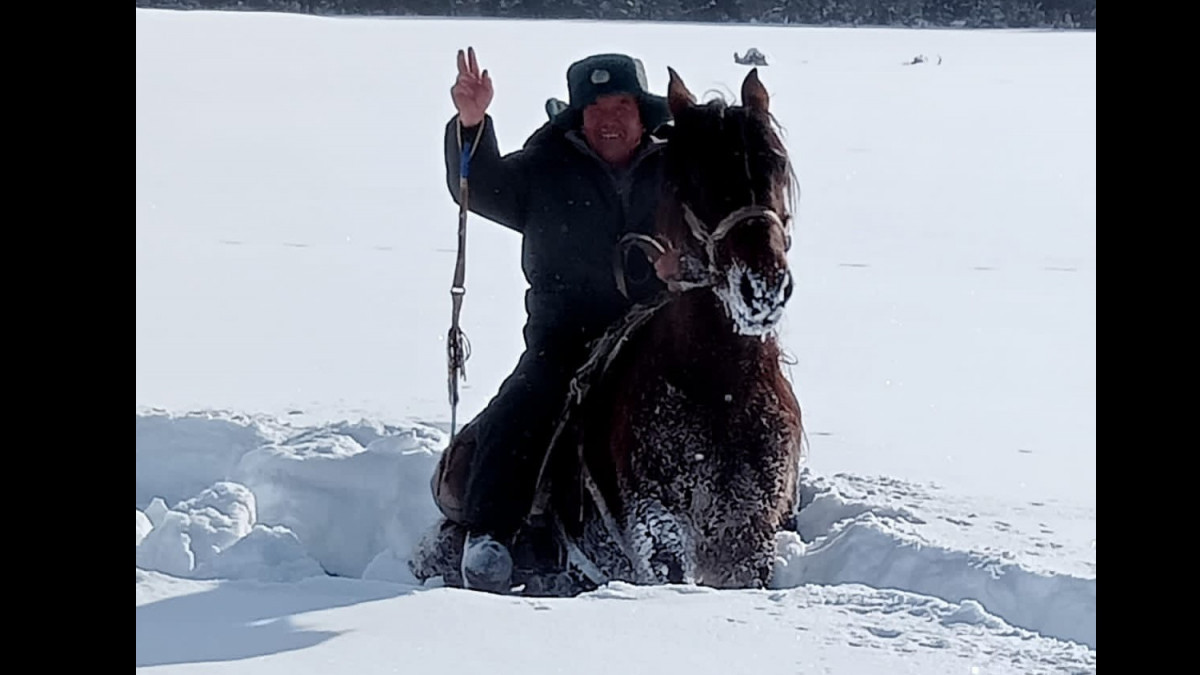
x=746 y=289
x=788 y=287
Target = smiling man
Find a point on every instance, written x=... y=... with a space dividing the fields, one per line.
x=583 y=180
x=612 y=127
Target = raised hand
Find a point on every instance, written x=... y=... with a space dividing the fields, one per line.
x=472 y=91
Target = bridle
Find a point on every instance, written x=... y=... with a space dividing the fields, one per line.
x=743 y=215
x=707 y=275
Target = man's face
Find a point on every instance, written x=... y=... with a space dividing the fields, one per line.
x=613 y=127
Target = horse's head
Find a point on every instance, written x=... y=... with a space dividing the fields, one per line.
x=729 y=185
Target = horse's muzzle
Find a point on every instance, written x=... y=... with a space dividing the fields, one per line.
x=753 y=300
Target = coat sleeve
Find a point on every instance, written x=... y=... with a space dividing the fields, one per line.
x=497 y=185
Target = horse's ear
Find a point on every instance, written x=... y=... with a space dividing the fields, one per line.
x=678 y=96
x=754 y=94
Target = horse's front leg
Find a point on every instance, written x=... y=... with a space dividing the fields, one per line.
x=753 y=569
x=662 y=545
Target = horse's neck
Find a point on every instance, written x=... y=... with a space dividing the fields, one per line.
x=696 y=342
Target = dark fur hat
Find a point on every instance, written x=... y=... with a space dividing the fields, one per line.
x=604 y=74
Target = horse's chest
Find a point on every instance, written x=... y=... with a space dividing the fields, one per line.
x=700 y=451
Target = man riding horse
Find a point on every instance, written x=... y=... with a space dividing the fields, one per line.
x=589 y=176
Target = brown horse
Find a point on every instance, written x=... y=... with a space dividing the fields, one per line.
x=681 y=462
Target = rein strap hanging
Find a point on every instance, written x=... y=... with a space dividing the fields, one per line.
x=458 y=348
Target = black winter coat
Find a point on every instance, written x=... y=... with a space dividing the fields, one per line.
x=571 y=207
